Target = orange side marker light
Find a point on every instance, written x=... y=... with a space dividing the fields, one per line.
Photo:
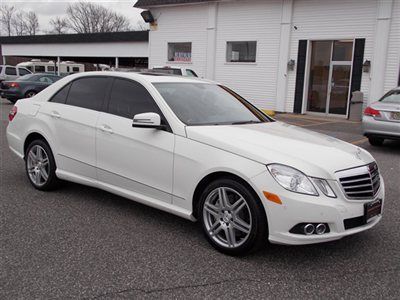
x=272 y=197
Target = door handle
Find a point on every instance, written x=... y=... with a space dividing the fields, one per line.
x=106 y=128
x=55 y=114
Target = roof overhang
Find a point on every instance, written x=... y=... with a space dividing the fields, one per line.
x=154 y=3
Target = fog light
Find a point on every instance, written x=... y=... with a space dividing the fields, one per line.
x=320 y=229
x=309 y=229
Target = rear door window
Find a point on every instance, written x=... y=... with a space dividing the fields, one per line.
x=11 y=71
x=88 y=92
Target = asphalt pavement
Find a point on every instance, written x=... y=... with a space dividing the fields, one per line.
x=80 y=242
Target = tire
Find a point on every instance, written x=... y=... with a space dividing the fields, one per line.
x=375 y=141
x=240 y=226
x=30 y=94
x=40 y=166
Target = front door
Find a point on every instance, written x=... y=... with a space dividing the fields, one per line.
x=329 y=77
x=136 y=160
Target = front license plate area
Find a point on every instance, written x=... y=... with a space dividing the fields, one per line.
x=372 y=209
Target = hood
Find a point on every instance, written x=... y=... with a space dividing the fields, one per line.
x=313 y=153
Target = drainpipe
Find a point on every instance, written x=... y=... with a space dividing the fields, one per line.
x=284 y=51
x=378 y=68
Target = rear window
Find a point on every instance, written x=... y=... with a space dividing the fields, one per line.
x=29 y=77
x=168 y=71
x=391 y=97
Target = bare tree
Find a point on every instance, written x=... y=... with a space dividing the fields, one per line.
x=32 y=23
x=18 y=23
x=141 y=25
x=88 y=17
x=58 y=25
x=6 y=17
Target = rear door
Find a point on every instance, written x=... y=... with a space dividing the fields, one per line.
x=72 y=115
x=139 y=160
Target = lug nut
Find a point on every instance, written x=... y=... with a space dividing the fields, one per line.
x=320 y=229
x=309 y=229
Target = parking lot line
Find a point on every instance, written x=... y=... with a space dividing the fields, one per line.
x=358 y=142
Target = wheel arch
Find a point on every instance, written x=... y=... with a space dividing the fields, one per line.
x=218 y=175
x=32 y=137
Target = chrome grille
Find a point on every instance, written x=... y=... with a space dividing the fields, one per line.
x=360 y=183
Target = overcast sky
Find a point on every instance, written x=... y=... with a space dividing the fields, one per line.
x=48 y=9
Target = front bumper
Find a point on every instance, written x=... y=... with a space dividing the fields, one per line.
x=377 y=128
x=298 y=208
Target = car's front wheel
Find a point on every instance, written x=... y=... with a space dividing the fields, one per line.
x=232 y=217
x=40 y=166
x=375 y=141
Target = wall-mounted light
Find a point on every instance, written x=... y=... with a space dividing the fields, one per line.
x=147 y=16
x=290 y=65
x=366 y=66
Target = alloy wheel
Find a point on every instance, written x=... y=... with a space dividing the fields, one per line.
x=38 y=165
x=227 y=217
x=30 y=94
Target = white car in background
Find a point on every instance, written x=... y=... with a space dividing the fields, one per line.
x=174 y=70
x=198 y=150
x=381 y=120
x=11 y=73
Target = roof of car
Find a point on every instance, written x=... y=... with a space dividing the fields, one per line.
x=149 y=77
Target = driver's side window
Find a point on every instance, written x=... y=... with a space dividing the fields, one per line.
x=129 y=98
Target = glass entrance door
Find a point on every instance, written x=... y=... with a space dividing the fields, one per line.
x=329 y=77
x=339 y=89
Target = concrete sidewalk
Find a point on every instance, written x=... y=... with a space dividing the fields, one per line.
x=343 y=129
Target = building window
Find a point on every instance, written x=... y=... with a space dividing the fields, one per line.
x=241 y=51
x=181 y=52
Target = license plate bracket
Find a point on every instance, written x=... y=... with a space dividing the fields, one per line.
x=372 y=209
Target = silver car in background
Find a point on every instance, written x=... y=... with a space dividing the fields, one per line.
x=381 y=120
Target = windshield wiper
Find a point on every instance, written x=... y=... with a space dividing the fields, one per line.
x=246 y=122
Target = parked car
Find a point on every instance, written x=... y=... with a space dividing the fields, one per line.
x=200 y=151
x=26 y=86
x=11 y=72
x=381 y=120
x=173 y=70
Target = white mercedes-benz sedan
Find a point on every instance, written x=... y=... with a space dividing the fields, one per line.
x=200 y=151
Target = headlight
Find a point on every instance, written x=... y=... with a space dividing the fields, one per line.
x=292 y=179
x=324 y=186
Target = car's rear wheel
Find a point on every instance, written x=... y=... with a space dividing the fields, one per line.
x=232 y=217
x=40 y=166
x=30 y=94
x=375 y=141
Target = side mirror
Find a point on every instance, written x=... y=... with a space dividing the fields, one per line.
x=147 y=120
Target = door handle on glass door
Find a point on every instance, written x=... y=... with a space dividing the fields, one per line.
x=55 y=114
x=106 y=128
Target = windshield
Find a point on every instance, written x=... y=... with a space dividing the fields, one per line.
x=392 y=97
x=208 y=104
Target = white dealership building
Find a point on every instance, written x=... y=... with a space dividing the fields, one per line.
x=303 y=56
